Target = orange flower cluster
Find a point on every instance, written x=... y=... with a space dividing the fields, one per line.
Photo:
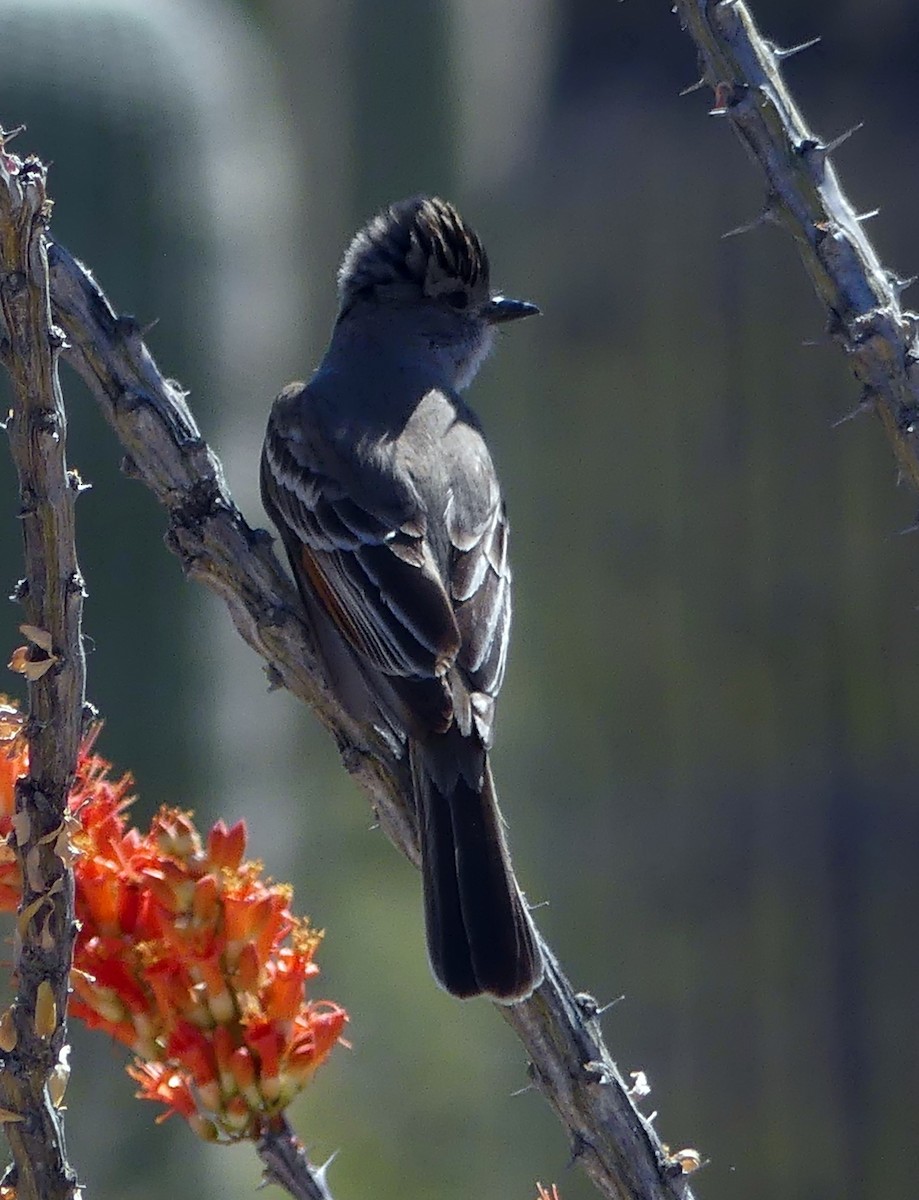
x=185 y=954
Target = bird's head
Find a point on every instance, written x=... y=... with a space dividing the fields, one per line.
x=419 y=256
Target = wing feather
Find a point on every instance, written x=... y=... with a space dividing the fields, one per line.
x=409 y=613
x=379 y=584
x=481 y=589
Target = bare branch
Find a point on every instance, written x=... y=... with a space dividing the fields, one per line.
x=861 y=298
x=571 y=1065
x=52 y=595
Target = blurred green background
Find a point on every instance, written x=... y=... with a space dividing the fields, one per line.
x=707 y=747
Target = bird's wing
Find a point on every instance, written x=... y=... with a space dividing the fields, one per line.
x=480 y=588
x=376 y=578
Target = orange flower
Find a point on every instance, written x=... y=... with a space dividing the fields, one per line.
x=186 y=954
x=226 y=847
x=173 y=1089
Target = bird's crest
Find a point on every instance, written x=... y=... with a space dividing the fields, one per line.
x=421 y=242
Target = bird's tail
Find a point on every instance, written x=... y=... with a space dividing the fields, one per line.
x=480 y=936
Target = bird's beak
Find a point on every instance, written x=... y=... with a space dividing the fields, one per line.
x=500 y=309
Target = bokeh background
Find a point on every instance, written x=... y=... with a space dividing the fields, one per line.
x=707 y=746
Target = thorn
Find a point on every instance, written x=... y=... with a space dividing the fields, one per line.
x=693 y=87
x=829 y=147
x=76 y=585
x=809 y=145
x=598 y=1070
x=148 y=328
x=523 y=1091
x=863 y=406
x=321 y=1172
x=781 y=54
x=90 y=713
x=587 y=1004
x=763 y=219
x=610 y=1004
x=182 y=393
x=914 y=528
x=76 y=483
x=274 y=676
x=866 y=216
x=640 y=1087
x=900 y=285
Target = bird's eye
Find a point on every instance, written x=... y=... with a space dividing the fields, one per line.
x=457 y=299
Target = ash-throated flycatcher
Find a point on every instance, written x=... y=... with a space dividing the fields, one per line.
x=381 y=485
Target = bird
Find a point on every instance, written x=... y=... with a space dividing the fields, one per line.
x=378 y=478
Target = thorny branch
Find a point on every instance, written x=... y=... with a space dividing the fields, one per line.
x=287 y=1165
x=803 y=193
x=570 y=1064
x=33 y=1031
